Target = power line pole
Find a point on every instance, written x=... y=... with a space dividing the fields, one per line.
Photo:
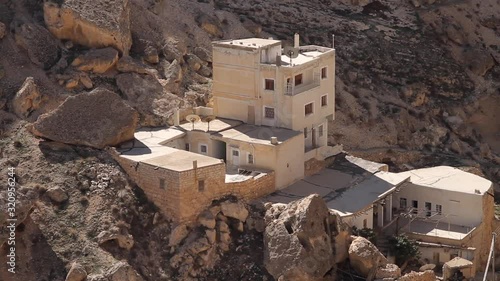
x=493 y=257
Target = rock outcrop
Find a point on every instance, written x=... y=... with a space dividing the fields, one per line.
x=234 y=210
x=118 y=234
x=365 y=258
x=427 y=275
x=97 y=60
x=92 y=23
x=296 y=243
x=122 y=271
x=97 y=119
x=388 y=271
x=2 y=30
x=41 y=46
x=128 y=64
x=27 y=99
x=76 y=273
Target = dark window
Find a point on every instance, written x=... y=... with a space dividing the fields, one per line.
x=236 y=153
x=162 y=183
x=298 y=79
x=203 y=148
x=308 y=108
x=324 y=100
x=402 y=203
x=269 y=84
x=414 y=204
x=439 y=209
x=187 y=147
x=320 y=130
x=250 y=158
x=201 y=185
x=324 y=73
x=428 y=208
x=269 y=112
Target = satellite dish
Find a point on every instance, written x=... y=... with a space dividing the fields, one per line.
x=291 y=52
x=209 y=119
x=192 y=118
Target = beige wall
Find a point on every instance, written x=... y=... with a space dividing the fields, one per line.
x=215 y=149
x=452 y=204
x=357 y=220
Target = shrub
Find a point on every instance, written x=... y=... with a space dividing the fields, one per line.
x=404 y=248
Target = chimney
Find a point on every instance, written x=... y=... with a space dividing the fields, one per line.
x=195 y=164
x=274 y=140
x=296 y=40
x=333 y=41
x=176 y=117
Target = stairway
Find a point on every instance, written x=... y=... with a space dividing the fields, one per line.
x=383 y=244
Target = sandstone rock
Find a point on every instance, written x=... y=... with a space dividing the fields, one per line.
x=2 y=30
x=97 y=119
x=211 y=235
x=210 y=24
x=222 y=227
x=215 y=210
x=122 y=271
x=151 y=55
x=86 y=81
x=365 y=258
x=128 y=64
x=198 y=246
x=172 y=50
x=76 y=273
x=207 y=219
x=194 y=62
x=296 y=245
x=92 y=23
x=27 y=99
x=173 y=74
x=240 y=227
x=342 y=241
x=205 y=71
x=120 y=235
x=177 y=235
x=147 y=95
x=41 y=46
x=72 y=83
x=203 y=54
x=479 y=61
x=428 y=275
x=96 y=60
x=57 y=194
x=234 y=210
x=388 y=271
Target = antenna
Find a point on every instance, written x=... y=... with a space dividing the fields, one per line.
x=192 y=118
x=291 y=52
x=209 y=119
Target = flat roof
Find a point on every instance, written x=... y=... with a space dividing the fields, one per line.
x=449 y=178
x=253 y=43
x=435 y=228
x=215 y=125
x=256 y=134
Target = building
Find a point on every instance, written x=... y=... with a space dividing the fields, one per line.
x=270 y=116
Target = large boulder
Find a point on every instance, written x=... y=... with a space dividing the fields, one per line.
x=97 y=119
x=41 y=46
x=27 y=99
x=120 y=235
x=478 y=60
x=365 y=258
x=427 y=275
x=234 y=210
x=296 y=243
x=128 y=64
x=122 y=271
x=388 y=271
x=92 y=23
x=76 y=273
x=96 y=60
x=145 y=93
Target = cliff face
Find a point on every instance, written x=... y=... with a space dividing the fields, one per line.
x=417 y=85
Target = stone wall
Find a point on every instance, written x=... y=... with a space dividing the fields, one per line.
x=181 y=197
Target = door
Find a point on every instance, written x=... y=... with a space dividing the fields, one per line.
x=428 y=208
x=236 y=156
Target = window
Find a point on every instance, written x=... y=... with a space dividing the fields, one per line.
x=250 y=158
x=162 y=183
x=305 y=133
x=324 y=100
x=203 y=148
x=201 y=185
x=298 y=79
x=187 y=147
x=324 y=73
x=439 y=209
x=428 y=208
x=320 y=130
x=269 y=84
x=414 y=204
x=402 y=203
x=269 y=112
x=236 y=152
x=308 y=108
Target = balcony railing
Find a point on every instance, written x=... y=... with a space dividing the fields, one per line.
x=291 y=90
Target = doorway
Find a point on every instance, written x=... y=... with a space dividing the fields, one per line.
x=235 y=156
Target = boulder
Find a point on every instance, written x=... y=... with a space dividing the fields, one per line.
x=172 y=50
x=96 y=60
x=427 y=275
x=479 y=61
x=177 y=235
x=173 y=75
x=120 y=235
x=57 y=194
x=203 y=54
x=76 y=273
x=296 y=244
x=234 y=210
x=388 y=271
x=27 y=99
x=92 y=23
x=145 y=93
x=222 y=227
x=194 y=62
x=210 y=24
x=41 y=46
x=128 y=64
x=97 y=119
x=198 y=246
x=207 y=219
x=122 y=271
x=2 y=30
x=365 y=258
x=205 y=71
x=151 y=54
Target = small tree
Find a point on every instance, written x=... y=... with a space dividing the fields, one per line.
x=367 y=233
x=405 y=249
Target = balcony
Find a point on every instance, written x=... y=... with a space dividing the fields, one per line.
x=292 y=90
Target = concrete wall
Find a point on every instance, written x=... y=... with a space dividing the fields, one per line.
x=452 y=204
x=444 y=254
x=196 y=138
x=358 y=220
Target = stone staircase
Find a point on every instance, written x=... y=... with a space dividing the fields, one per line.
x=383 y=244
